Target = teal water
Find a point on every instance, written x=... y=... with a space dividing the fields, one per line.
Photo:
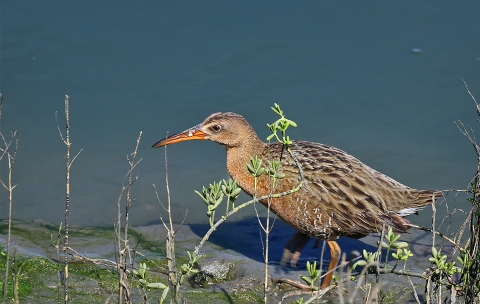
x=380 y=80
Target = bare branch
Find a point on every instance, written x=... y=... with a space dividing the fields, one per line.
x=473 y=97
x=73 y=159
x=158 y=198
x=58 y=127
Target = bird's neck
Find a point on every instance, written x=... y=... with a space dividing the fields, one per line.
x=237 y=159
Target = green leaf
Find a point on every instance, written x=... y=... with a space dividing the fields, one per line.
x=236 y=192
x=306 y=279
x=384 y=245
x=260 y=171
x=164 y=294
x=400 y=245
x=360 y=263
x=202 y=196
x=292 y=123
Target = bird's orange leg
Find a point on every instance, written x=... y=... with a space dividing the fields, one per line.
x=334 y=258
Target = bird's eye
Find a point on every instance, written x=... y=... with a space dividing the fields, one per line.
x=216 y=128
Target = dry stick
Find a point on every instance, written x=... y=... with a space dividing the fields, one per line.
x=414 y=290
x=375 y=292
x=170 y=243
x=172 y=274
x=9 y=188
x=472 y=276
x=361 y=276
x=379 y=251
x=435 y=232
x=122 y=244
x=321 y=263
x=16 y=275
x=267 y=228
x=67 y=192
x=57 y=249
x=316 y=294
x=428 y=289
x=319 y=294
x=128 y=200
x=377 y=262
x=100 y=262
x=459 y=235
x=264 y=246
x=340 y=288
x=69 y=162
x=472 y=243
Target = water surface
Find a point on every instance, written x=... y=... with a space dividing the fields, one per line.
x=380 y=80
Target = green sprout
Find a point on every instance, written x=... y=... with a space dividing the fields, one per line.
x=442 y=266
x=256 y=170
x=231 y=191
x=212 y=197
x=255 y=167
x=392 y=240
x=142 y=275
x=189 y=268
x=368 y=259
x=402 y=255
x=313 y=273
x=281 y=125
x=272 y=170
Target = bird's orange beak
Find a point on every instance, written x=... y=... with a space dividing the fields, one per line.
x=190 y=134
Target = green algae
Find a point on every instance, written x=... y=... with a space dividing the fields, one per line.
x=37 y=280
x=41 y=280
x=89 y=283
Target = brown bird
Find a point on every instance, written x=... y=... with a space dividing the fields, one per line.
x=341 y=196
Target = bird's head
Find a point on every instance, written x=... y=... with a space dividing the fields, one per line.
x=228 y=129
